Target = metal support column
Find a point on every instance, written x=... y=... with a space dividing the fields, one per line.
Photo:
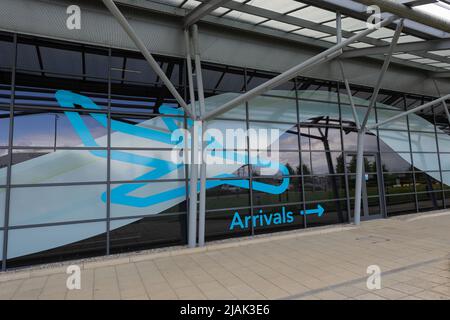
x=362 y=129
x=193 y=176
x=201 y=98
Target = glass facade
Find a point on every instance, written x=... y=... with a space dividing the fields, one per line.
x=85 y=162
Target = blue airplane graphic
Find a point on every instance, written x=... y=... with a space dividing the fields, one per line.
x=121 y=194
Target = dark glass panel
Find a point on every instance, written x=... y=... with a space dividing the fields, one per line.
x=396 y=183
x=371 y=181
x=426 y=182
x=147 y=198
x=151 y=232
x=430 y=201
x=7 y=50
x=292 y=194
x=324 y=188
x=226 y=196
x=278 y=218
x=219 y=224
x=5 y=102
x=334 y=212
x=217 y=79
x=396 y=162
x=288 y=159
x=132 y=68
x=370 y=163
x=399 y=205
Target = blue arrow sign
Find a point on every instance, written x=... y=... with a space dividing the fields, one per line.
x=320 y=210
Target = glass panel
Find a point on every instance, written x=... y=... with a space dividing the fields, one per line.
x=7 y=50
x=5 y=101
x=423 y=142
x=396 y=183
x=2 y=206
x=55 y=129
x=39 y=205
x=393 y=140
x=226 y=196
x=322 y=163
x=127 y=165
x=372 y=185
x=278 y=218
x=148 y=198
x=4 y=160
x=55 y=243
x=396 y=162
x=426 y=161
x=219 y=225
x=288 y=159
x=445 y=161
x=350 y=141
x=324 y=188
x=427 y=181
x=31 y=166
x=292 y=194
x=430 y=201
x=399 y=205
x=289 y=139
x=263 y=108
x=334 y=212
x=320 y=139
x=218 y=79
x=152 y=232
x=374 y=206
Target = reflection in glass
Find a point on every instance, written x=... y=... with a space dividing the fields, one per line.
x=30 y=166
x=46 y=243
x=53 y=129
x=334 y=212
x=75 y=203
x=151 y=232
x=324 y=188
x=227 y=196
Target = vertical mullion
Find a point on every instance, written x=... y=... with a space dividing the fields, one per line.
x=341 y=126
x=411 y=158
x=186 y=165
x=10 y=149
x=108 y=161
x=250 y=166
x=299 y=127
x=439 y=159
x=302 y=178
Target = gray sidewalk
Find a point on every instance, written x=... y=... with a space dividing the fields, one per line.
x=412 y=252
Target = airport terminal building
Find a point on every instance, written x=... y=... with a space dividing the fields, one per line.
x=86 y=121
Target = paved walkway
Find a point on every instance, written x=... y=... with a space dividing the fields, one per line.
x=413 y=254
